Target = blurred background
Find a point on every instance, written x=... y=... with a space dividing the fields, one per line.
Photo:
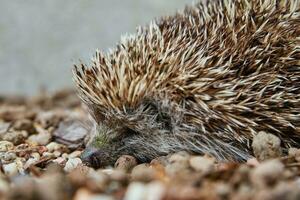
x=40 y=40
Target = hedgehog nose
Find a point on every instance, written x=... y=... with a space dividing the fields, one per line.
x=89 y=157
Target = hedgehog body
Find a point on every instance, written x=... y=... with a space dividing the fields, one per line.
x=205 y=80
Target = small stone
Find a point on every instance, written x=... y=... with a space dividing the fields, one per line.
x=180 y=157
x=65 y=155
x=162 y=160
x=135 y=191
x=71 y=133
x=74 y=154
x=48 y=154
x=253 y=162
x=294 y=152
x=16 y=137
x=4 y=186
x=267 y=173
x=24 y=124
x=60 y=160
x=143 y=172
x=126 y=163
x=223 y=190
x=35 y=155
x=202 y=164
x=53 y=146
x=40 y=138
x=155 y=190
x=178 y=163
x=10 y=169
x=266 y=146
x=97 y=181
x=119 y=176
x=84 y=194
x=6 y=146
x=56 y=153
x=4 y=126
x=30 y=162
x=8 y=156
x=41 y=149
x=72 y=163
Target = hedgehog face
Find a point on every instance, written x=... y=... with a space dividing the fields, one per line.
x=103 y=148
x=109 y=143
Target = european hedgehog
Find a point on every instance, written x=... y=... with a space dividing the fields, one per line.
x=205 y=81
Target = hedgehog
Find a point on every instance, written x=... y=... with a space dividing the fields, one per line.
x=205 y=80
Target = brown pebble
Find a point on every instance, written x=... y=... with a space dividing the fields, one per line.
x=126 y=163
x=143 y=172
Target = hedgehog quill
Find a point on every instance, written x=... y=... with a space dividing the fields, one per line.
x=205 y=80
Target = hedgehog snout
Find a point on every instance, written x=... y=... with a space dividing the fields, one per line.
x=94 y=157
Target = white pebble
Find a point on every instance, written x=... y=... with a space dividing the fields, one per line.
x=35 y=155
x=30 y=161
x=10 y=169
x=266 y=146
x=56 y=153
x=41 y=138
x=6 y=146
x=53 y=146
x=72 y=164
x=8 y=156
x=155 y=191
x=135 y=191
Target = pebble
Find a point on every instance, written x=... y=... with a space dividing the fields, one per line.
x=143 y=172
x=202 y=164
x=30 y=161
x=60 y=161
x=40 y=138
x=72 y=163
x=4 y=186
x=155 y=190
x=266 y=146
x=35 y=155
x=65 y=155
x=4 y=126
x=267 y=173
x=294 y=152
x=135 y=191
x=56 y=153
x=6 y=146
x=84 y=194
x=48 y=154
x=10 y=169
x=8 y=156
x=16 y=137
x=126 y=163
x=24 y=124
x=74 y=154
x=98 y=181
x=53 y=146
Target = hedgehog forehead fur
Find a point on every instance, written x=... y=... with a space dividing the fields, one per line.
x=204 y=80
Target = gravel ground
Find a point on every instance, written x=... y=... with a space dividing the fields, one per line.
x=42 y=139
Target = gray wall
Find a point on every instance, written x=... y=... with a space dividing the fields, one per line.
x=40 y=40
